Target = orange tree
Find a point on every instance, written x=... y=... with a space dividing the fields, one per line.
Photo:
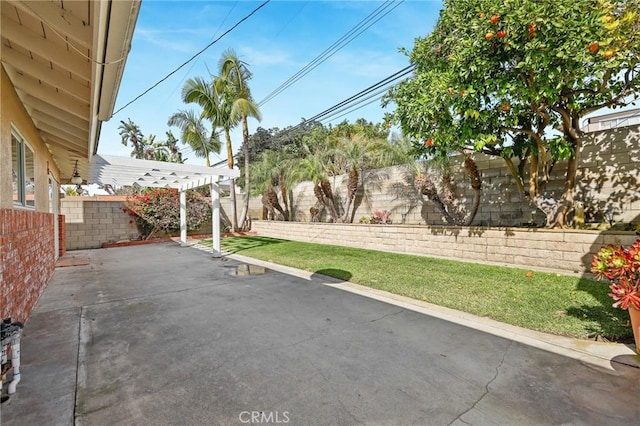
x=515 y=79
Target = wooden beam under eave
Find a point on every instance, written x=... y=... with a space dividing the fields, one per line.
x=63 y=133
x=55 y=52
x=30 y=87
x=40 y=71
x=47 y=112
x=57 y=19
x=70 y=146
x=63 y=127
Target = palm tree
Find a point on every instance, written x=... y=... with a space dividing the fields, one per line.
x=356 y=154
x=195 y=134
x=130 y=132
x=262 y=180
x=149 y=147
x=217 y=109
x=276 y=168
x=171 y=145
x=232 y=82
x=314 y=167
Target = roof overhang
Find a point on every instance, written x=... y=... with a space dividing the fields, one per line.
x=66 y=60
x=123 y=171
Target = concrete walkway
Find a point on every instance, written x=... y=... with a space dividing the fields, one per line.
x=167 y=335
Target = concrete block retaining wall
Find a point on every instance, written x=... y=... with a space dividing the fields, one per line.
x=91 y=221
x=608 y=179
x=565 y=250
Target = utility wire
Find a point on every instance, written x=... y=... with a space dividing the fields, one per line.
x=212 y=37
x=367 y=22
x=345 y=111
x=405 y=71
x=194 y=56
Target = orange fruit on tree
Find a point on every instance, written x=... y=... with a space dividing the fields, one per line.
x=505 y=107
x=495 y=18
x=489 y=35
x=428 y=142
x=593 y=47
x=608 y=54
x=481 y=15
x=501 y=34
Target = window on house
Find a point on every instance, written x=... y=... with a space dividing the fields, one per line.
x=23 y=172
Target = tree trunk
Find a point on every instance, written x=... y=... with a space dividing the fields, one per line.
x=285 y=200
x=352 y=188
x=329 y=200
x=224 y=218
x=232 y=183
x=244 y=224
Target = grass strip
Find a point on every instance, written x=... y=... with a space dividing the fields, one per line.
x=548 y=302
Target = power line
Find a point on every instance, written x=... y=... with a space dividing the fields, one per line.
x=335 y=47
x=384 y=82
x=212 y=37
x=194 y=56
x=377 y=95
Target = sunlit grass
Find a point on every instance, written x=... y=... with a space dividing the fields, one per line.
x=548 y=302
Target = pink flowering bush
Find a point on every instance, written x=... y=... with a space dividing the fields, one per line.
x=158 y=209
x=381 y=216
x=621 y=266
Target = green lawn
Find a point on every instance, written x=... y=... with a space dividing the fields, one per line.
x=548 y=302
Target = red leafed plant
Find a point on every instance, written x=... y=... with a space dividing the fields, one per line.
x=621 y=266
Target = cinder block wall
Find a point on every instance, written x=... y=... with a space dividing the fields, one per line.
x=608 y=178
x=27 y=260
x=91 y=221
x=566 y=250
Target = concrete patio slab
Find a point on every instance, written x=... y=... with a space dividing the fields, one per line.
x=165 y=335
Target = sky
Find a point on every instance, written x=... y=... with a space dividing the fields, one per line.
x=276 y=42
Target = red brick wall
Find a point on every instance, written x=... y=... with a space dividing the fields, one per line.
x=62 y=236
x=27 y=260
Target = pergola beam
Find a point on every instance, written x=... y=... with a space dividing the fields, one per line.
x=124 y=171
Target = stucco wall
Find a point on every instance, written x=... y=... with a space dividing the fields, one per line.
x=14 y=115
x=566 y=250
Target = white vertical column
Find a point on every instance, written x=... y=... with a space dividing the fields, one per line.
x=215 y=217
x=183 y=217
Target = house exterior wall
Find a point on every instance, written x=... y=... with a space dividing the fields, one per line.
x=27 y=258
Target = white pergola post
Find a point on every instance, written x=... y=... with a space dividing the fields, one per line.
x=215 y=218
x=183 y=217
x=124 y=171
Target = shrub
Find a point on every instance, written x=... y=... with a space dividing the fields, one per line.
x=381 y=217
x=158 y=209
